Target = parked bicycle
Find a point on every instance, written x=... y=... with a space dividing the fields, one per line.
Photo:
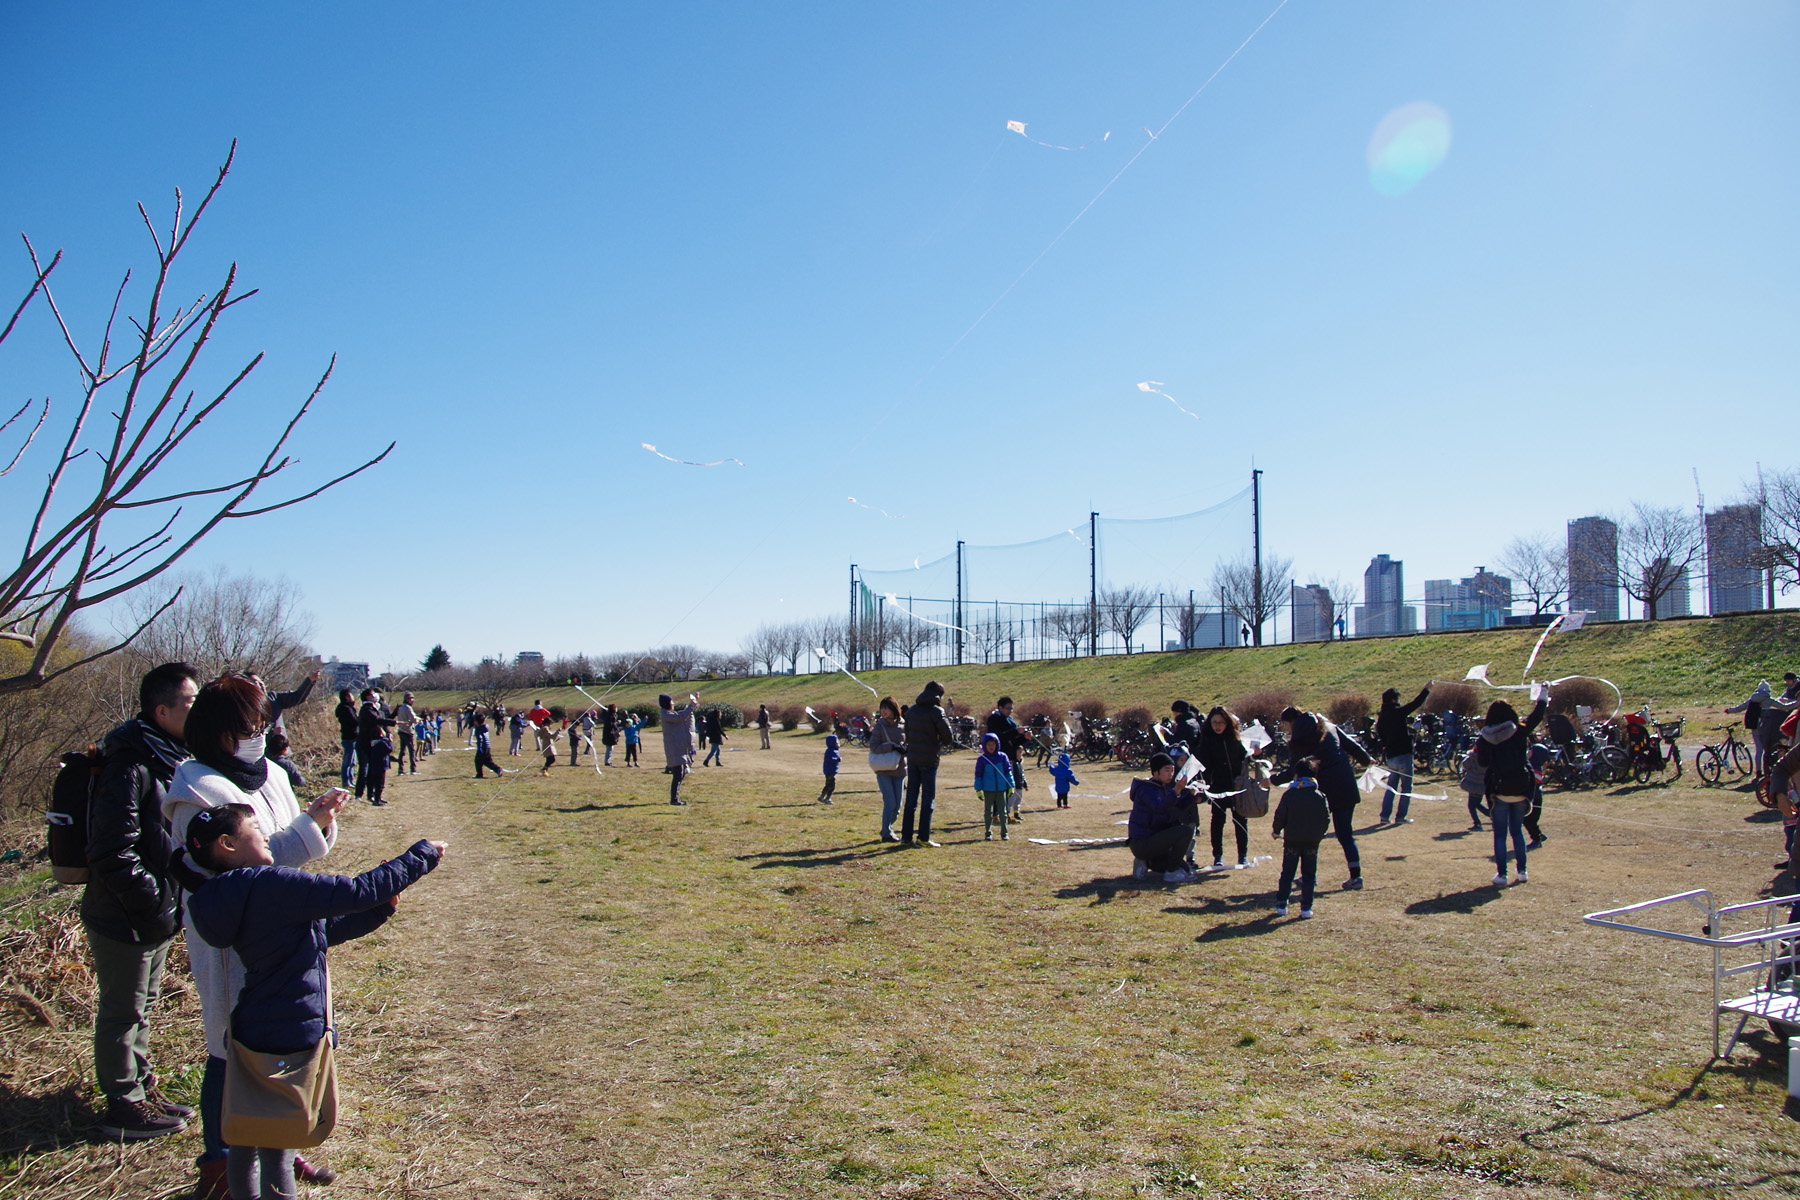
x=1712 y=762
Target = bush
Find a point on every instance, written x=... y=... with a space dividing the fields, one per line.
x=1264 y=704
x=558 y=712
x=1463 y=699
x=1091 y=708
x=646 y=712
x=1137 y=715
x=1031 y=710
x=730 y=715
x=791 y=716
x=1566 y=696
x=1350 y=709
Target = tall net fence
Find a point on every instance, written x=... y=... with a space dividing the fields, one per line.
x=1104 y=585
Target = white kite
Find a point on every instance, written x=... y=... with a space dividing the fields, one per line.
x=1152 y=386
x=895 y=601
x=884 y=512
x=684 y=462
x=1018 y=127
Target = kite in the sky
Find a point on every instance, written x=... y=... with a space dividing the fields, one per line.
x=1018 y=127
x=684 y=462
x=1153 y=387
x=884 y=512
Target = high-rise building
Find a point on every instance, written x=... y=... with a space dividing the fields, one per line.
x=1594 y=567
x=1481 y=601
x=1733 y=545
x=1384 y=609
x=1310 y=612
x=1676 y=601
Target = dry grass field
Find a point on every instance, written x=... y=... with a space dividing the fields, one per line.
x=599 y=995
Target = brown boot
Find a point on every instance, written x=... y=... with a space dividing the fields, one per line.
x=212 y=1185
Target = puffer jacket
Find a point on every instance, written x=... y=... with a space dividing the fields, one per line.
x=129 y=896
x=280 y=920
x=1391 y=729
x=1318 y=738
x=927 y=729
x=1155 y=808
x=1302 y=817
x=1221 y=756
x=1503 y=753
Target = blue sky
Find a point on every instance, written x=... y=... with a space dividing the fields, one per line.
x=541 y=235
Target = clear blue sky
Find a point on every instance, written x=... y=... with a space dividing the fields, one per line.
x=539 y=235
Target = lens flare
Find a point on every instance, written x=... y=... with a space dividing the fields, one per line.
x=1409 y=144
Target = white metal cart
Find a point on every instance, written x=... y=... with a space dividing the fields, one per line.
x=1765 y=952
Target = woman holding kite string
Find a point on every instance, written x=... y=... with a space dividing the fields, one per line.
x=1310 y=735
x=1503 y=751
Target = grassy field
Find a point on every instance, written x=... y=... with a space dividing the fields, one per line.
x=1699 y=662
x=601 y=995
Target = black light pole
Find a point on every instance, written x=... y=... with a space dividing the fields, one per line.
x=959 y=603
x=1256 y=550
x=1093 y=584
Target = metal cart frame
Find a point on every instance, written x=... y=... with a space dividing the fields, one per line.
x=1768 y=949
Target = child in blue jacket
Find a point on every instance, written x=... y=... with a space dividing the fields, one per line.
x=994 y=781
x=832 y=758
x=279 y=920
x=1064 y=776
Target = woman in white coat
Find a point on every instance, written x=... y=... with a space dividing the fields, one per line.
x=227 y=726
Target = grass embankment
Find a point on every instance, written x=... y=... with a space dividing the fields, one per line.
x=599 y=995
x=1674 y=663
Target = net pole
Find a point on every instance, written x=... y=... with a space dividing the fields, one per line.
x=1256 y=549
x=959 y=603
x=851 y=627
x=1093 y=584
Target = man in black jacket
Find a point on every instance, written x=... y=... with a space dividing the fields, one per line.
x=372 y=722
x=131 y=908
x=927 y=733
x=346 y=719
x=1001 y=724
x=1396 y=739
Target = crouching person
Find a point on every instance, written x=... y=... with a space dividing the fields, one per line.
x=280 y=1084
x=1164 y=820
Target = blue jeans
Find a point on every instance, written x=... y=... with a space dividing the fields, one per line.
x=1400 y=783
x=891 y=787
x=712 y=755
x=1509 y=819
x=348 y=770
x=212 y=1111
x=921 y=791
x=1476 y=808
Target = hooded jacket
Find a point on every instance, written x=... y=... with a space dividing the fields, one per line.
x=1063 y=774
x=1319 y=738
x=129 y=896
x=1155 y=808
x=927 y=729
x=280 y=920
x=993 y=769
x=1190 y=727
x=832 y=757
x=1391 y=729
x=1502 y=751
x=1302 y=817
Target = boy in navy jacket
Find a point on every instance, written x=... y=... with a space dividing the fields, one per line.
x=1301 y=821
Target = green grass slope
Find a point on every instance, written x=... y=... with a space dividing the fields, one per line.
x=1702 y=661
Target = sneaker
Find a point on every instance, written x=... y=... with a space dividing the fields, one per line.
x=1242 y=861
x=1281 y=910
x=1534 y=844
x=680 y=803
x=1404 y=821
x=1354 y=884
x=1475 y=828
x=153 y=1095
x=1523 y=877
x=988 y=836
x=1500 y=879
x=1306 y=914
x=1140 y=869
x=887 y=835
x=136 y=1120
x=923 y=842
x=379 y=803
x=1178 y=875
x=1218 y=864
x=1781 y=865
x=824 y=799
x=1004 y=838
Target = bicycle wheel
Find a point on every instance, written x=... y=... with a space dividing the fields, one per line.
x=1764 y=796
x=1708 y=765
x=1742 y=760
x=1616 y=764
x=1642 y=771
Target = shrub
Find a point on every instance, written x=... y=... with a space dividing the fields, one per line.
x=791 y=716
x=1091 y=707
x=1566 y=696
x=1029 y=711
x=1461 y=698
x=1349 y=709
x=558 y=712
x=730 y=715
x=647 y=712
x=1138 y=716
x=1264 y=704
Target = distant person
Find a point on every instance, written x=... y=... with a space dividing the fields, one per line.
x=762 y=723
x=830 y=768
x=1064 y=777
x=372 y=723
x=346 y=719
x=1187 y=724
x=714 y=721
x=1301 y=821
x=633 y=730
x=130 y=908
x=516 y=728
x=1473 y=779
x=484 y=748
x=1162 y=825
x=1001 y=724
x=610 y=729
x=1763 y=714
x=1220 y=748
x=886 y=737
x=381 y=752
x=678 y=741
x=1309 y=734
x=406 y=717
x=994 y=784
x=1396 y=739
x=547 y=739
x=927 y=735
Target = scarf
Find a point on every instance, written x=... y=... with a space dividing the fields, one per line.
x=171 y=752
x=246 y=777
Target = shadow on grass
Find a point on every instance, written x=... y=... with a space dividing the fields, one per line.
x=1104 y=891
x=831 y=856
x=1455 y=835
x=1763 y=816
x=52 y=1120
x=605 y=807
x=1466 y=901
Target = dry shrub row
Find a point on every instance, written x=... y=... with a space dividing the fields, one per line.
x=1589 y=692
x=1460 y=698
x=1137 y=716
x=1091 y=707
x=1264 y=704
x=1349 y=709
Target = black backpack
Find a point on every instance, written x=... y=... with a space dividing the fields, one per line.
x=68 y=815
x=1752 y=715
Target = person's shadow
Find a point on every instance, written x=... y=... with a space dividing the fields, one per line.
x=1465 y=902
x=831 y=856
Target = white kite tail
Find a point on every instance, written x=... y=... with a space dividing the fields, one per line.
x=1540 y=645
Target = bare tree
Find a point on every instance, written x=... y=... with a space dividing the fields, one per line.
x=1779 y=495
x=830 y=634
x=989 y=636
x=1656 y=545
x=1343 y=592
x=124 y=526
x=1236 y=582
x=1539 y=569
x=1072 y=624
x=763 y=648
x=679 y=662
x=794 y=643
x=223 y=622
x=1123 y=610
x=909 y=636
x=1187 y=618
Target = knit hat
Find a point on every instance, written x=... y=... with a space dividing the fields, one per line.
x=1158 y=761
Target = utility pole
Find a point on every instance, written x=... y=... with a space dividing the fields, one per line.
x=1256 y=550
x=850 y=632
x=1093 y=584
x=959 y=603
